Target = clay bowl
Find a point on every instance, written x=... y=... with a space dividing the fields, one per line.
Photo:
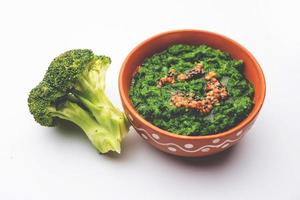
x=190 y=146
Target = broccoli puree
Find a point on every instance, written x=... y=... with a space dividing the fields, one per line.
x=154 y=104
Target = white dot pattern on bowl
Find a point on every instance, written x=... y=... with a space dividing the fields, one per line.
x=225 y=145
x=172 y=149
x=215 y=141
x=155 y=136
x=205 y=149
x=144 y=136
x=239 y=133
x=188 y=146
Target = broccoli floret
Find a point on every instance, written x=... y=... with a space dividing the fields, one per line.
x=73 y=90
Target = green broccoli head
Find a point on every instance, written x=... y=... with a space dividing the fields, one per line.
x=41 y=102
x=73 y=90
x=40 y=109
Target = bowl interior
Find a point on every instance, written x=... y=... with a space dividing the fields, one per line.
x=252 y=70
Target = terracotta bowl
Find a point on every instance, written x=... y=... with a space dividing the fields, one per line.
x=190 y=146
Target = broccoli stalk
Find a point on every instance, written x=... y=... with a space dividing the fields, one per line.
x=104 y=137
x=73 y=90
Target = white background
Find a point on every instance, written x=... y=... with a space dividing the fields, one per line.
x=59 y=163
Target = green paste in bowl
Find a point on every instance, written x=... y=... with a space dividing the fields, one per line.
x=154 y=101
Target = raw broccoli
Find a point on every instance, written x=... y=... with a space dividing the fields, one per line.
x=73 y=90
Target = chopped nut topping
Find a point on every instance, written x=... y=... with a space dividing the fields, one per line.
x=182 y=77
x=210 y=75
x=170 y=78
x=195 y=72
x=215 y=92
x=172 y=72
x=138 y=68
